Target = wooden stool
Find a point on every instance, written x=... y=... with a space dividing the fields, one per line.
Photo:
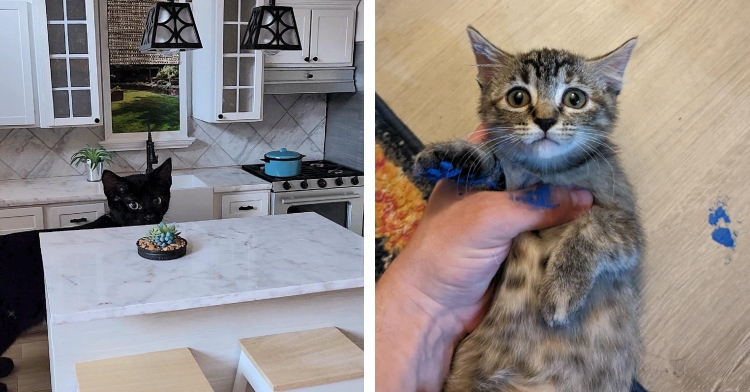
x=170 y=370
x=311 y=361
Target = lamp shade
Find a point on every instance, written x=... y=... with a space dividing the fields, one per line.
x=170 y=26
x=271 y=28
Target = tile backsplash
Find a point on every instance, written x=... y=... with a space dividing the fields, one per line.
x=294 y=121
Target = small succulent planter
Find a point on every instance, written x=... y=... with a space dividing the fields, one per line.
x=94 y=158
x=162 y=243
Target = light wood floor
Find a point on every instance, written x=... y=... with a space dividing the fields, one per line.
x=31 y=356
x=684 y=132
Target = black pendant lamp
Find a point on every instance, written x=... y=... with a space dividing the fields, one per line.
x=170 y=27
x=271 y=28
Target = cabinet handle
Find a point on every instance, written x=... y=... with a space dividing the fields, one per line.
x=96 y=120
x=221 y=116
x=245 y=208
x=307 y=59
x=315 y=59
x=309 y=76
x=79 y=220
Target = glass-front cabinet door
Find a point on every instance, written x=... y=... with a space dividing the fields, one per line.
x=67 y=63
x=233 y=89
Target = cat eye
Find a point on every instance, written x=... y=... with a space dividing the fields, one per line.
x=518 y=97
x=574 y=98
x=134 y=206
x=157 y=201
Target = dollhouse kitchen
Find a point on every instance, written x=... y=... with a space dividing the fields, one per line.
x=181 y=195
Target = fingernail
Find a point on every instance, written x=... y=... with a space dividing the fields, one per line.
x=581 y=197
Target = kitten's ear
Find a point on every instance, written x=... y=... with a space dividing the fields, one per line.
x=611 y=66
x=489 y=57
x=114 y=185
x=163 y=173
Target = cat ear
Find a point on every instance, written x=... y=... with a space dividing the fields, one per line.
x=611 y=66
x=113 y=184
x=489 y=57
x=163 y=173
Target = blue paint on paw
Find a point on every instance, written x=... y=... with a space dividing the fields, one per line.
x=540 y=197
x=447 y=170
x=719 y=219
x=723 y=236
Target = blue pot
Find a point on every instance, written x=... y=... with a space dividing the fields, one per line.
x=283 y=163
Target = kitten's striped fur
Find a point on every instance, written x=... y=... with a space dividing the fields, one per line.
x=565 y=312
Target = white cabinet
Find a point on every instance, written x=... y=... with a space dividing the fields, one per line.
x=227 y=80
x=326 y=30
x=242 y=204
x=21 y=219
x=16 y=84
x=332 y=37
x=56 y=217
x=296 y=57
x=67 y=66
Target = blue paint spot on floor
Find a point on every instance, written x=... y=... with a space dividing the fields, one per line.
x=718 y=214
x=541 y=196
x=719 y=219
x=723 y=236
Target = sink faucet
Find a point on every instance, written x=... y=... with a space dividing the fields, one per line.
x=151 y=157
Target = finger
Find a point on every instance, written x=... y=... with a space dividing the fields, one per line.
x=543 y=206
x=479 y=135
x=445 y=192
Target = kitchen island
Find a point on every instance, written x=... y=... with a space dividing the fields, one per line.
x=241 y=278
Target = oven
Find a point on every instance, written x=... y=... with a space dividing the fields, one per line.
x=341 y=205
x=323 y=187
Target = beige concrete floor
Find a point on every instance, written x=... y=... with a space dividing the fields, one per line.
x=684 y=121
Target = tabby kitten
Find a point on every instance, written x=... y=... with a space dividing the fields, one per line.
x=138 y=199
x=565 y=311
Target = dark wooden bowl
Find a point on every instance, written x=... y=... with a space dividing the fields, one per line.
x=162 y=254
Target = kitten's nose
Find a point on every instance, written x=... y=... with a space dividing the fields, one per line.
x=545 y=123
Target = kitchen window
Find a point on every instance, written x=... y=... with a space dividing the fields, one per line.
x=140 y=90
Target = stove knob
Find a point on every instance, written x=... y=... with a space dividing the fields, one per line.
x=303 y=184
x=322 y=183
x=286 y=185
x=339 y=181
x=355 y=180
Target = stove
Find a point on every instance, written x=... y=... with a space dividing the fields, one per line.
x=324 y=187
x=315 y=175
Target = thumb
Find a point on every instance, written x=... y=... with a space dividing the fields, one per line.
x=544 y=206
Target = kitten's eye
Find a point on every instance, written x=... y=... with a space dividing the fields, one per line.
x=518 y=97
x=574 y=98
x=157 y=201
x=134 y=206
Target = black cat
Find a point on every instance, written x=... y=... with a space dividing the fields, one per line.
x=139 y=199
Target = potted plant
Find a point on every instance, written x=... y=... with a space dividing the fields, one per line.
x=94 y=159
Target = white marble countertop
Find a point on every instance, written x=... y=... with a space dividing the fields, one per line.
x=100 y=274
x=74 y=189
x=14 y=193
x=227 y=179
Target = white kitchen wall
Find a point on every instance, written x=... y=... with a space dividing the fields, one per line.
x=294 y=121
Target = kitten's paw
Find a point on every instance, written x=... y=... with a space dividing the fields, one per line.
x=459 y=161
x=6 y=367
x=559 y=298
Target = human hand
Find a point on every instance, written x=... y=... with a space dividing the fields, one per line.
x=463 y=238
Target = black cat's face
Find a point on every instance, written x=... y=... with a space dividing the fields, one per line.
x=139 y=199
